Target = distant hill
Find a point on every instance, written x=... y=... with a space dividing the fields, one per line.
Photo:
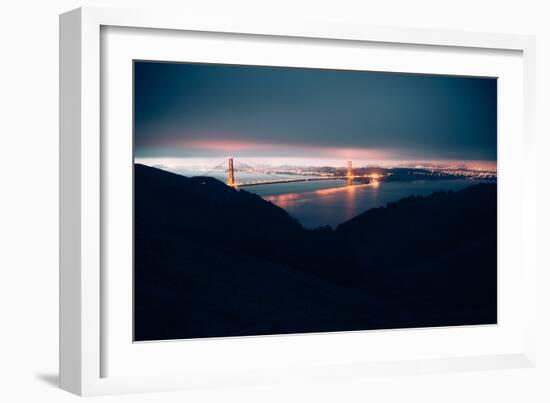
x=214 y=261
x=436 y=253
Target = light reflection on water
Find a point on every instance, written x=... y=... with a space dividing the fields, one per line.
x=324 y=202
x=335 y=205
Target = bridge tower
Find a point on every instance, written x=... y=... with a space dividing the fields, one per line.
x=350 y=174
x=230 y=173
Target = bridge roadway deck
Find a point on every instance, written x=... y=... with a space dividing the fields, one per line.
x=272 y=182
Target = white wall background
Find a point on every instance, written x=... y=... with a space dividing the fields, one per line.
x=29 y=187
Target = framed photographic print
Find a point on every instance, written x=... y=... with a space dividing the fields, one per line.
x=290 y=201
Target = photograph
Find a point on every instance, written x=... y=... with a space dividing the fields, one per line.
x=274 y=200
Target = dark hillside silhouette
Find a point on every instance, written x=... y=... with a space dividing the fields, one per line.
x=214 y=261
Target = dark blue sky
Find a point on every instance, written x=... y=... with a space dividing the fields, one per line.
x=210 y=111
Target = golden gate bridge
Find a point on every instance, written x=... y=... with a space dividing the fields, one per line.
x=349 y=177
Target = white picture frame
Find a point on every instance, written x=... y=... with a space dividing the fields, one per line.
x=83 y=308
